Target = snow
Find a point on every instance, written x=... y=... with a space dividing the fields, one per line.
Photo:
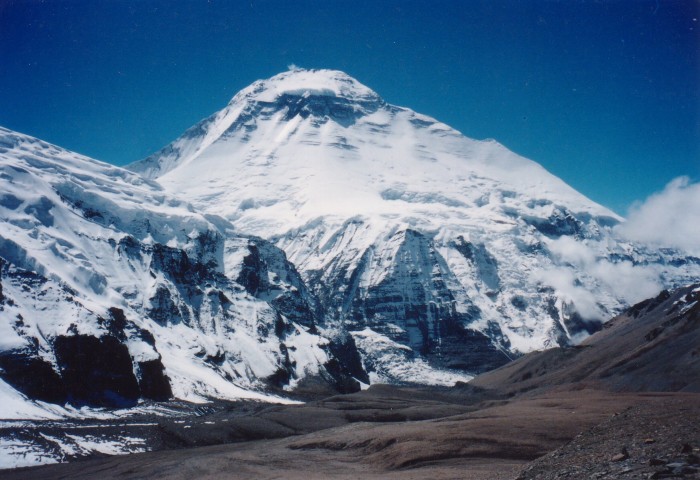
x=687 y=307
x=306 y=82
x=16 y=406
x=9 y=339
x=16 y=454
x=118 y=446
x=392 y=362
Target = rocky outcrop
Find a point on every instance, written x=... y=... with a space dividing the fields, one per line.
x=95 y=369
x=404 y=290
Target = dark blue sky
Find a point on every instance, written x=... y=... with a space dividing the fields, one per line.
x=606 y=95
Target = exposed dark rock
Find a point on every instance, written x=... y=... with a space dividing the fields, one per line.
x=561 y=223
x=154 y=384
x=129 y=246
x=176 y=264
x=32 y=375
x=468 y=350
x=484 y=263
x=324 y=107
x=253 y=274
x=285 y=371
x=346 y=363
x=280 y=378
x=163 y=309
x=115 y=323
x=96 y=371
x=279 y=278
x=342 y=382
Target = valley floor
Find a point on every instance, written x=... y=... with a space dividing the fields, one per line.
x=416 y=433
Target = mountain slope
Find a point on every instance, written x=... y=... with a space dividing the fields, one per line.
x=410 y=234
x=652 y=346
x=113 y=291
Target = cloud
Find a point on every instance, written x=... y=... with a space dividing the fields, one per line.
x=634 y=283
x=570 y=250
x=624 y=280
x=670 y=218
x=564 y=282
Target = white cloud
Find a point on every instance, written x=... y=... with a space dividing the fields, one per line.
x=670 y=218
x=630 y=282
x=563 y=281
x=573 y=251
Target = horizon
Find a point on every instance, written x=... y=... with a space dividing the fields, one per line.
x=602 y=95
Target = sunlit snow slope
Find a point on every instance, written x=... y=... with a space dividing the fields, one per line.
x=113 y=291
x=414 y=237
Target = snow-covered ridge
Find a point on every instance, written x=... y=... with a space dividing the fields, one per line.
x=154 y=299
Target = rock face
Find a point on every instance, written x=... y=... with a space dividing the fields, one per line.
x=112 y=292
x=422 y=243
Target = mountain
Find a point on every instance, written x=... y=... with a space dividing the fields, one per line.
x=113 y=291
x=310 y=238
x=422 y=243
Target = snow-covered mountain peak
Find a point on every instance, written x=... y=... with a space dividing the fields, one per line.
x=284 y=103
x=306 y=144
x=306 y=83
x=336 y=177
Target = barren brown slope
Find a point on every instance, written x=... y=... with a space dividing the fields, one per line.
x=495 y=441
